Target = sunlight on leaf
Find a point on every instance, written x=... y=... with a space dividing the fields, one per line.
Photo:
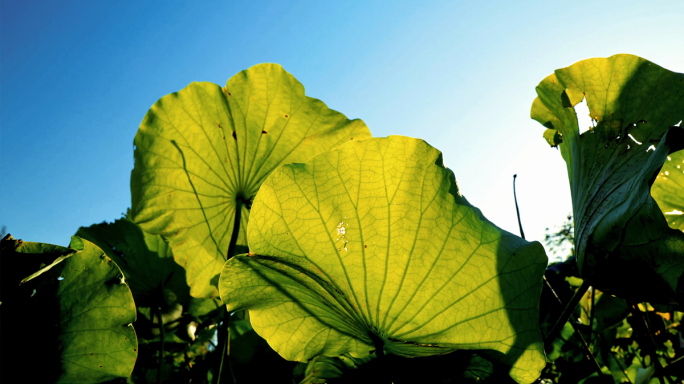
x=202 y=154
x=668 y=190
x=621 y=236
x=372 y=248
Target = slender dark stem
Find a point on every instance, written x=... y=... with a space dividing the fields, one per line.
x=161 y=342
x=578 y=334
x=379 y=345
x=674 y=366
x=569 y=308
x=224 y=349
x=224 y=352
x=591 y=316
x=515 y=197
x=646 y=343
x=224 y=330
x=622 y=367
x=236 y=228
x=383 y=373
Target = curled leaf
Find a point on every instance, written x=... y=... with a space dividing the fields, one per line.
x=623 y=242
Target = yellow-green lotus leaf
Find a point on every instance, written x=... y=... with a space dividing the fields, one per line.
x=668 y=190
x=202 y=153
x=371 y=248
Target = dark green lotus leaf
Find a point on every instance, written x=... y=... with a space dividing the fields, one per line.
x=202 y=154
x=146 y=261
x=621 y=236
x=668 y=190
x=70 y=323
x=372 y=248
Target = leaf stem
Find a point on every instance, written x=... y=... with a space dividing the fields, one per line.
x=646 y=335
x=236 y=228
x=591 y=315
x=224 y=330
x=622 y=367
x=585 y=347
x=224 y=345
x=517 y=210
x=555 y=330
x=161 y=342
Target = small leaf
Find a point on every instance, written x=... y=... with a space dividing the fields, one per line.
x=202 y=154
x=74 y=317
x=371 y=248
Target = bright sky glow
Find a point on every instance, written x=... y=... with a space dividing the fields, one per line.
x=77 y=77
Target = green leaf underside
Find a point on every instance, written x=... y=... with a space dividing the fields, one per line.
x=145 y=259
x=204 y=151
x=668 y=190
x=75 y=318
x=372 y=244
x=621 y=236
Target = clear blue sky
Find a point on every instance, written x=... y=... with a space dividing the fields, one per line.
x=77 y=77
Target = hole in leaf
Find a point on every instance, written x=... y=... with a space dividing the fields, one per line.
x=584 y=120
x=633 y=139
x=234 y=136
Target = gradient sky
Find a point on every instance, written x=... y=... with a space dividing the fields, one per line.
x=77 y=77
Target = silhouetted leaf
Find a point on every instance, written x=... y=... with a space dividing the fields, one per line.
x=74 y=317
x=623 y=243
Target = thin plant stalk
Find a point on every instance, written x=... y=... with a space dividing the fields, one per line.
x=567 y=312
x=591 y=316
x=568 y=309
x=648 y=342
x=578 y=334
x=622 y=367
x=224 y=330
x=517 y=210
x=160 y=362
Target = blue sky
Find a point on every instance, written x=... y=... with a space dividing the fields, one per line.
x=77 y=77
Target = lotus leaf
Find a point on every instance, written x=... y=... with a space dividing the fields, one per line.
x=668 y=190
x=146 y=261
x=371 y=248
x=202 y=154
x=621 y=236
x=74 y=316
